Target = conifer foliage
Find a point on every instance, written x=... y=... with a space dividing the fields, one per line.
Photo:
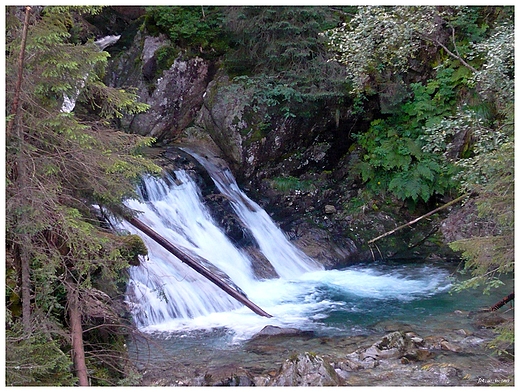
x=63 y=170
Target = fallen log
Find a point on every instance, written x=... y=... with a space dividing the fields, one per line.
x=460 y=198
x=502 y=302
x=188 y=260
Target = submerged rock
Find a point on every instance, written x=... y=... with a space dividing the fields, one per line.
x=488 y=320
x=394 y=365
x=272 y=330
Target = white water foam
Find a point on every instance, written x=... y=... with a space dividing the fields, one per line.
x=69 y=100
x=303 y=302
x=166 y=295
x=287 y=260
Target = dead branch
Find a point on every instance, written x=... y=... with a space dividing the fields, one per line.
x=502 y=302
x=454 y=201
x=185 y=258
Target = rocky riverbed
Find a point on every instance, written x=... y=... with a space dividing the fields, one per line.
x=449 y=352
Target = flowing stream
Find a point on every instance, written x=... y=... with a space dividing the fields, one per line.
x=166 y=295
x=187 y=313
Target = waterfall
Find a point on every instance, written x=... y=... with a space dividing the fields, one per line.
x=69 y=101
x=162 y=287
x=106 y=41
x=287 y=260
x=166 y=295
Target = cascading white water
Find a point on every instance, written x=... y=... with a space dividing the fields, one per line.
x=106 y=41
x=166 y=295
x=287 y=260
x=164 y=288
x=69 y=100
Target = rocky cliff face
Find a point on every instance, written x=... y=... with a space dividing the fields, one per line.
x=296 y=166
x=175 y=96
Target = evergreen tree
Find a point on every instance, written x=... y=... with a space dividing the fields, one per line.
x=283 y=54
x=64 y=169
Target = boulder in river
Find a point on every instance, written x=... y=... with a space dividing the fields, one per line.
x=306 y=370
x=272 y=330
x=395 y=345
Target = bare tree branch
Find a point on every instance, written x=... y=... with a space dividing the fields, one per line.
x=454 y=201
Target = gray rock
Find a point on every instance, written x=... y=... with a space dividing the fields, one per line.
x=329 y=209
x=306 y=370
x=272 y=330
x=449 y=346
x=174 y=97
x=395 y=345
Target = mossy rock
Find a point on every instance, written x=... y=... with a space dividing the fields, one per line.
x=133 y=247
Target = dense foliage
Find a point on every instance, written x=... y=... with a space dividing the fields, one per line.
x=387 y=51
x=64 y=169
x=451 y=131
x=398 y=158
x=195 y=30
x=284 y=57
x=281 y=56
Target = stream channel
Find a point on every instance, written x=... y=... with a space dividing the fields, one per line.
x=194 y=331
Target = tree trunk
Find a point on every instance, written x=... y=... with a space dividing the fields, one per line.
x=26 y=287
x=16 y=100
x=76 y=334
x=24 y=241
x=197 y=267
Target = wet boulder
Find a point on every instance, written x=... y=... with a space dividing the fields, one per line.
x=271 y=331
x=395 y=345
x=306 y=370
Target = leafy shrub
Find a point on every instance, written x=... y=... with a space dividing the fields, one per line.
x=395 y=158
x=196 y=29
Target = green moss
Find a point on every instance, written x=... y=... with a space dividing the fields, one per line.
x=133 y=247
x=289 y=183
x=293 y=357
x=165 y=56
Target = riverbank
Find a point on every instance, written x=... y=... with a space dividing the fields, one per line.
x=439 y=351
